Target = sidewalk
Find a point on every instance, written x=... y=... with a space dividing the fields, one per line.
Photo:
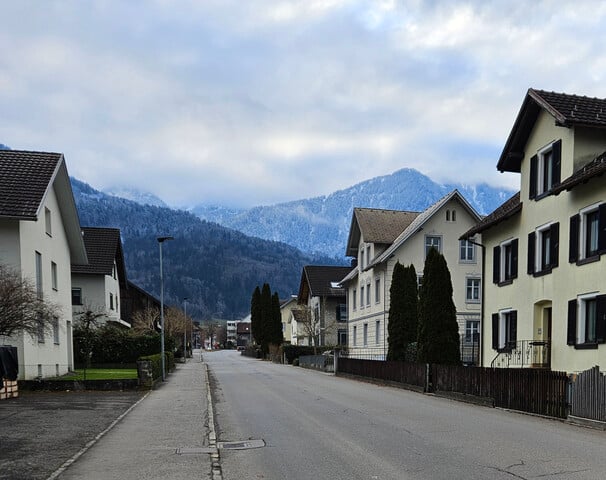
x=144 y=443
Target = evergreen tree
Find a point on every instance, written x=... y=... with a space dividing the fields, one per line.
x=265 y=318
x=276 y=323
x=402 y=327
x=255 y=314
x=438 y=331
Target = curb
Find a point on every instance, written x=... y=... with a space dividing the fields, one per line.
x=215 y=458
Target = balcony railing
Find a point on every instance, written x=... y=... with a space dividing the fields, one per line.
x=524 y=354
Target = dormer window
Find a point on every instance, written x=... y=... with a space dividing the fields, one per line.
x=545 y=169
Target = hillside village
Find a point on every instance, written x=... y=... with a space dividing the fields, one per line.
x=550 y=315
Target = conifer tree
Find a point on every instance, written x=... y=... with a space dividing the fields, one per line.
x=402 y=327
x=255 y=314
x=276 y=321
x=266 y=318
x=438 y=332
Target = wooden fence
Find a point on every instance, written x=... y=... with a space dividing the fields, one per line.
x=400 y=372
x=529 y=390
x=525 y=389
x=589 y=395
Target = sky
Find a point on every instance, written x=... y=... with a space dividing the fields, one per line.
x=254 y=102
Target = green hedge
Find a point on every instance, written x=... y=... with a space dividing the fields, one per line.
x=156 y=362
x=295 y=351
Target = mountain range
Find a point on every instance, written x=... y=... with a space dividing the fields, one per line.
x=321 y=224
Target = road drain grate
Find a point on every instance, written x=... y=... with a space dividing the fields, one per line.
x=195 y=451
x=245 y=445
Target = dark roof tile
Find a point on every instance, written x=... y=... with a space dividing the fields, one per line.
x=501 y=213
x=593 y=169
x=103 y=247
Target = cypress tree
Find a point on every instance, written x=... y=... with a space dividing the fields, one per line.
x=255 y=313
x=265 y=318
x=438 y=331
x=395 y=327
x=276 y=324
x=411 y=309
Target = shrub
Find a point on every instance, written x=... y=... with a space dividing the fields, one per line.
x=293 y=352
x=156 y=362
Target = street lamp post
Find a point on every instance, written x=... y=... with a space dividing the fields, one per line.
x=185 y=330
x=161 y=240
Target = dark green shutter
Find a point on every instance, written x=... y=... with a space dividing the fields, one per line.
x=557 y=161
x=533 y=177
x=513 y=329
x=573 y=248
x=495 y=331
x=571 y=336
x=496 y=264
x=600 y=324
x=554 y=254
x=514 y=258
x=531 y=249
x=602 y=229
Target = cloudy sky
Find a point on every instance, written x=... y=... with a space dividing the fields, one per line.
x=247 y=102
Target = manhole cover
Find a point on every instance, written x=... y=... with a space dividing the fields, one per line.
x=194 y=451
x=241 y=445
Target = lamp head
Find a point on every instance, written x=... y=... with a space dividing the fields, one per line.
x=162 y=239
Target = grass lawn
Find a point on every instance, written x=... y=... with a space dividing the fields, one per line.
x=101 y=374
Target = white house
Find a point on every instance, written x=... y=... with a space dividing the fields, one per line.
x=546 y=303
x=98 y=285
x=380 y=238
x=40 y=237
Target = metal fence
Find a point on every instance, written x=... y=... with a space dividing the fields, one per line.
x=589 y=395
x=324 y=363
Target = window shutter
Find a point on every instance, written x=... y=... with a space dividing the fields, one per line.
x=600 y=325
x=513 y=329
x=514 y=258
x=573 y=249
x=554 y=254
x=496 y=264
x=571 y=336
x=557 y=161
x=495 y=331
x=602 y=229
x=533 y=177
x=531 y=249
x=338 y=313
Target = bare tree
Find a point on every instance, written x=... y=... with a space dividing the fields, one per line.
x=88 y=322
x=146 y=320
x=314 y=324
x=21 y=309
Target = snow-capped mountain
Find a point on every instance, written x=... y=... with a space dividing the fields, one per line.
x=321 y=224
x=135 y=195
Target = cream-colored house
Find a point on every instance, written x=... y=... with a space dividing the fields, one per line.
x=40 y=237
x=286 y=307
x=98 y=285
x=546 y=304
x=380 y=238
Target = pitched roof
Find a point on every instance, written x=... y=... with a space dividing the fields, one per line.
x=421 y=219
x=321 y=280
x=26 y=178
x=506 y=210
x=593 y=169
x=567 y=110
x=376 y=226
x=103 y=247
x=298 y=314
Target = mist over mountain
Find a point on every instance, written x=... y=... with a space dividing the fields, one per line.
x=215 y=267
x=139 y=196
x=321 y=224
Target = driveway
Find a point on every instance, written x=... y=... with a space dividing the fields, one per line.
x=39 y=431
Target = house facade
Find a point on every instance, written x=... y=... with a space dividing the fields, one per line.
x=322 y=311
x=286 y=307
x=546 y=304
x=40 y=238
x=378 y=239
x=98 y=285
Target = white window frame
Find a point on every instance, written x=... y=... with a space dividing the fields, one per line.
x=111 y=301
x=367 y=255
x=468 y=247
x=428 y=246
x=541 y=155
x=503 y=327
x=583 y=213
x=582 y=317
x=471 y=288
x=503 y=260
x=472 y=327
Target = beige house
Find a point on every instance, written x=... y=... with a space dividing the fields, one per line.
x=320 y=318
x=40 y=237
x=546 y=303
x=286 y=307
x=99 y=285
x=380 y=238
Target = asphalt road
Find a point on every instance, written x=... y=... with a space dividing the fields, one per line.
x=323 y=427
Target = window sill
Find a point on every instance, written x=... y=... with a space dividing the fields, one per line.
x=586 y=346
x=544 y=194
x=472 y=302
x=468 y=262
x=505 y=282
x=542 y=273
x=585 y=261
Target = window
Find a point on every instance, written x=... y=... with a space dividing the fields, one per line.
x=466 y=251
x=448 y=215
x=54 y=275
x=342 y=312
x=362 y=255
x=355 y=336
x=545 y=169
x=454 y=215
x=505 y=262
x=56 y=331
x=47 y=222
x=111 y=301
x=368 y=294
x=76 y=296
x=472 y=290
x=587 y=239
x=362 y=296
x=587 y=321
x=543 y=249
x=354 y=300
x=367 y=255
x=40 y=331
x=377 y=290
x=365 y=337
x=39 y=275
x=342 y=337
x=377 y=332
x=504 y=330
x=433 y=241
x=472 y=331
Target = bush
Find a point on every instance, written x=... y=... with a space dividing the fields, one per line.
x=293 y=352
x=251 y=351
x=156 y=362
